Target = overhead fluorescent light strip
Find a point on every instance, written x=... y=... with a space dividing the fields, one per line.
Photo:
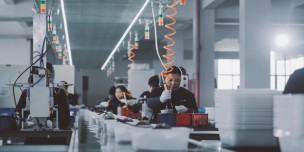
x=124 y=35
x=66 y=32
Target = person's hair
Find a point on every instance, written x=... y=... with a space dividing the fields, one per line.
x=122 y=88
x=112 y=90
x=125 y=90
x=175 y=70
x=154 y=81
x=49 y=66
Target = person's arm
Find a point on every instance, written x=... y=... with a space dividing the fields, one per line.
x=21 y=103
x=63 y=108
x=154 y=103
x=22 y=100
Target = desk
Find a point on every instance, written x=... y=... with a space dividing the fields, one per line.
x=20 y=136
x=90 y=138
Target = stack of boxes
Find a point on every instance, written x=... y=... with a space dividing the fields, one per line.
x=183 y=119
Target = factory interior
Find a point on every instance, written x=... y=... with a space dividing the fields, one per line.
x=151 y=75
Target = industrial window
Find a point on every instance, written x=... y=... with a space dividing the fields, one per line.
x=281 y=69
x=228 y=74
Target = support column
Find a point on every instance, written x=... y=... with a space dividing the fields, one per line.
x=207 y=58
x=255 y=43
x=197 y=46
x=178 y=48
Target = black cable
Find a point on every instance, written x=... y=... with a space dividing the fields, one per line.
x=26 y=70
x=36 y=52
x=40 y=77
x=41 y=61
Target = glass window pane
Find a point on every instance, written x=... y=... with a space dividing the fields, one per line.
x=236 y=67
x=281 y=83
x=296 y=63
x=272 y=63
x=280 y=67
x=288 y=69
x=236 y=82
x=287 y=77
x=224 y=66
x=224 y=82
x=272 y=82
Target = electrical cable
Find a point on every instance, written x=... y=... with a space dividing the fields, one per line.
x=25 y=71
x=36 y=52
x=40 y=77
x=36 y=7
x=52 y=7
x=131 y=54
x=170 y=61
x=155 y=33
x=36 y=56
x=41 y=61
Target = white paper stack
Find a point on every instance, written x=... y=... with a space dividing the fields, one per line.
x=173 y=139
x=288 y=122
x=245 y=117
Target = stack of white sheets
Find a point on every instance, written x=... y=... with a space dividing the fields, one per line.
x=245 y=117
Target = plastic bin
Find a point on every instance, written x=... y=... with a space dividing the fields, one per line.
x=199 y=119
x=5 y=123
x=174 y=139
x=247 y=138
x=168 y=118
x=183 y=119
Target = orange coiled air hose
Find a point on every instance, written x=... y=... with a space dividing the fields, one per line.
x=131 y=54
x=170 y=52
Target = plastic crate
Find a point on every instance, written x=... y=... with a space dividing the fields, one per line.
x=168 y=118
x=74 y=110
x=129 y=113
x=183 y=119
x=7 y=111
x=199 y=119
x=5 y=123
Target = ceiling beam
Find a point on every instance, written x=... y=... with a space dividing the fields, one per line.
x=211 y=4
x=9 y=2
x=297 y=3
x=16 y=19
x=20 y=36
x=26 y=24
x=19 y=10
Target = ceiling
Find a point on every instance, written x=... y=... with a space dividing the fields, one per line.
x=95 y=26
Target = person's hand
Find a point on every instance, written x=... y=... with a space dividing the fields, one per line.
x=181 y=109
x=165 y=96
x=123 y=100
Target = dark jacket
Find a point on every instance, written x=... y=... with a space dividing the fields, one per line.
x=60 y=99
x=115 y=103
x=181 y=96
x=155 y=93
x=295 y=83
x=72 y=99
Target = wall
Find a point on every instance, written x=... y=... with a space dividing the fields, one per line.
x=99 y=83
x=15 y=51
x=65 y=73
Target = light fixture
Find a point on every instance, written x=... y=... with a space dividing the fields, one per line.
x=66 y=31
x=282 y=40
x=124 y=35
